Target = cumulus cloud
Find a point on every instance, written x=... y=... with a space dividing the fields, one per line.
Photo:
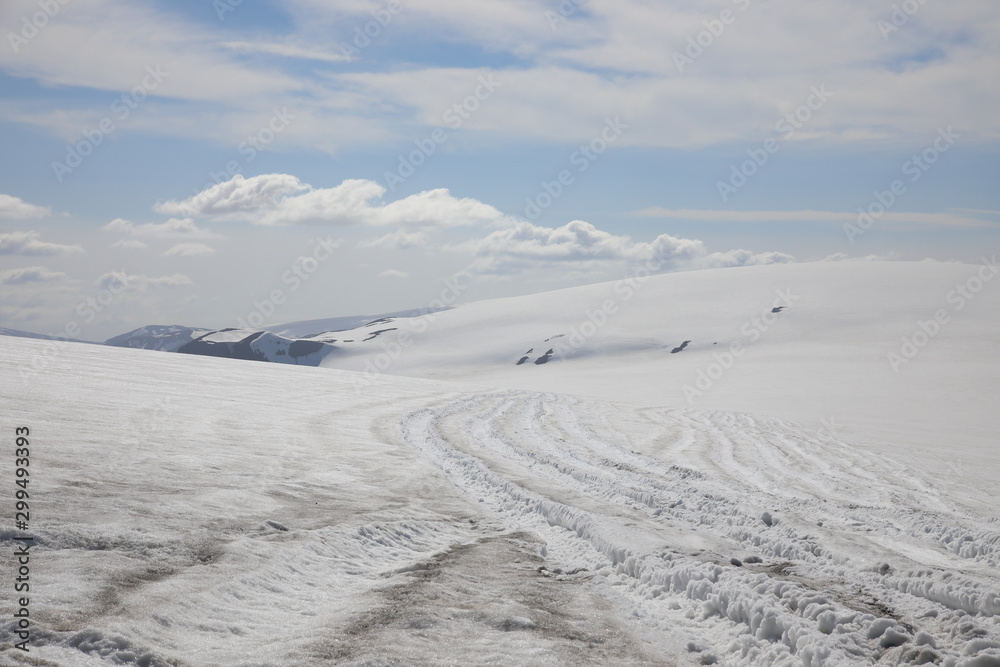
x=15 y=207
x=189 y=250
x=282 y=199
x=237 y=198
x=27 y=244
x=579 y=244
x=173 y=228
x=393 y=273
x=29 y=274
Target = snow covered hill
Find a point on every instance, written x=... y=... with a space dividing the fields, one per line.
x=193 y=511
x=780 y=465
x=899 y=357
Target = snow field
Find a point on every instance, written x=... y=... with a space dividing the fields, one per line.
x=201 y=511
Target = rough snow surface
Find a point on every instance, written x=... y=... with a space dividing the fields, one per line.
x=200 y=511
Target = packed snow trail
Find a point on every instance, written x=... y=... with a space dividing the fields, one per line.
x=763 y=543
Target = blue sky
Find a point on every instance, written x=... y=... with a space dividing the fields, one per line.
x=223 y=139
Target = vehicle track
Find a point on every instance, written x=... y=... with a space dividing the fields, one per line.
x=857 y=556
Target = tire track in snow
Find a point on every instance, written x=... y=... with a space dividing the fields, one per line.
x=660 y=535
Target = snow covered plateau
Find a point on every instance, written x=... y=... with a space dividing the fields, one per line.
x=777 y=465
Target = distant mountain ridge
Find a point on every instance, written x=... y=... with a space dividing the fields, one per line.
x=168 y=338
x=258 y=346
x=29 y=334
x=306 y=343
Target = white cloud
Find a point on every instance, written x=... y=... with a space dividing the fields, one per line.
x=237 y=198
x=393 y=273
x=400 y=240
x=844 y=257
x=133 y=36
x=286 y=50
x=608 y=58
x=29 y=274
x=15 y=207
x=281 y=199
x=581 y=245
x=171 y=229
x=897 y=217
x=129 y=244
x=188 y=250
x=27 y=244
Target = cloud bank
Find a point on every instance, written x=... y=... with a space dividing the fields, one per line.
x=579 y=245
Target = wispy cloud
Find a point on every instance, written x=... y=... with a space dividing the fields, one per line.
x=399 y=240
x=119 y=281
x=558 y=83
x=171 y=229
x=129 y=244
x=29 y=274
x=393 y=273
x=28 y=244
x=939 y=219
x=286 y=50
x=189 y=250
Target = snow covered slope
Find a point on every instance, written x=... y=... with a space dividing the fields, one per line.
x=854 y=349
x=193 y=511
x=313 y=328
